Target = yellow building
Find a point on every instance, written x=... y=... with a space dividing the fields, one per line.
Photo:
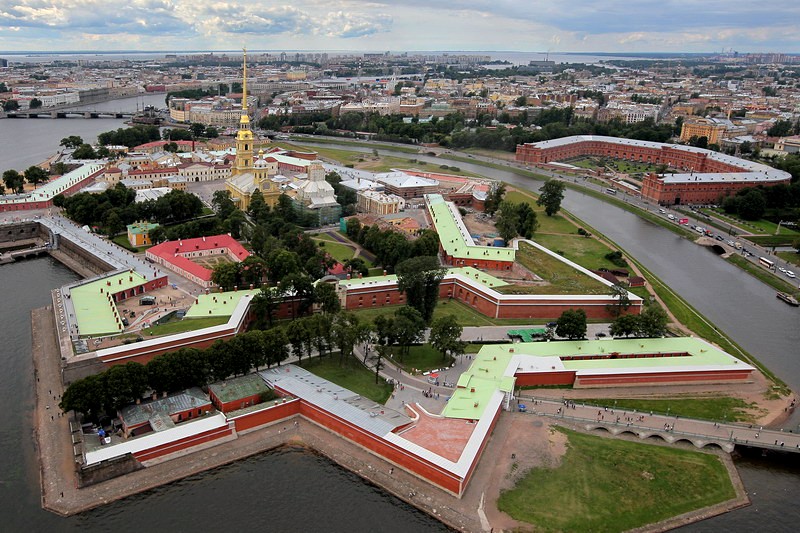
x=702 y=127
x=248 y=174
x=139 y=233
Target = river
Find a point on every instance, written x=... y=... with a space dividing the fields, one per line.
x=271 y=488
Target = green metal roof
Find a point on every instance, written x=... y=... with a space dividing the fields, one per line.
x=476 y=386
x=95 y=313
x=218 y=303
x=237 y=388
x=700 y=353
x=455 y=241
x=138 y=228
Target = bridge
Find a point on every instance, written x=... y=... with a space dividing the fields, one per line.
x=671 y=429
x=10 y=257
x=67 y=113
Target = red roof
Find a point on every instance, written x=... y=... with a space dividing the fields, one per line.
x=173 y=251
x=337 y=269
x=158 y=144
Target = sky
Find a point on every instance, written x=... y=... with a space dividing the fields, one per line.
x=402 y=25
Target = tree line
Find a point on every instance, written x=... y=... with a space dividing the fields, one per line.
x=392 y=247
x=115 y=208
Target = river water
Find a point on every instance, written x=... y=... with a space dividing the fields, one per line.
x=271 y=488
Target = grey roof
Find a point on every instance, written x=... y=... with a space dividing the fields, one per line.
x=189 y=399
x=343 y=403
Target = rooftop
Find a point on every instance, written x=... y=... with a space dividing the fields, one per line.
x=175 y=252
x=218 y=303
x=455 y=237
x=95 y=311
x=238 y=388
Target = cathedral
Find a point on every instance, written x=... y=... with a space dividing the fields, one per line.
x=250 y=173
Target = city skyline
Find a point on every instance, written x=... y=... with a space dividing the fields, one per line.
x=459 y=25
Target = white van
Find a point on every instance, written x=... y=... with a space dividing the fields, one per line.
x=671 y=216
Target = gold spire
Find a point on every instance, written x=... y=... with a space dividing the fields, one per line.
x=244 y=81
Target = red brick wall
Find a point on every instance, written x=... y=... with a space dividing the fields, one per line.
x=267 y=415
x=390 y=452
x=545 y=378
x=183 y=444
x=668 y=377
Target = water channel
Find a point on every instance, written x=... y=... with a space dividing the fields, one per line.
x=271 y=488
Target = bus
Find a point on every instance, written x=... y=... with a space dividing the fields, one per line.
x=611 y=191
x=763 y=261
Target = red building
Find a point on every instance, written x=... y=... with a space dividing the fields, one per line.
x=709 y=175
x=177 y=255
x=238 y=393
x=163 y=413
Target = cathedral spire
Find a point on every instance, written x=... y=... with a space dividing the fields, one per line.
x=244 y=81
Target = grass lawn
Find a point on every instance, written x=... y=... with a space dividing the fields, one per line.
x=352 y=375
x=606 y=485
x=122 y=240
x=790 y=257
x=497 y=154
x=422 y=358
x=771 y=240
x=465 y=315
x=763 y=274
x=587 y=252
x=374 y=146
x=186 y=324
x=554 y=224
x=560 y=277
x=755 y=226
x=715 y=408
x=340 y=252
x=327 y=237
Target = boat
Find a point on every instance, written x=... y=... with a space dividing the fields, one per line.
x=788 y=298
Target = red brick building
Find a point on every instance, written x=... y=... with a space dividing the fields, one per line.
x=709 y=175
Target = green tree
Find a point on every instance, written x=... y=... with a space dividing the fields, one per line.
x=84 y=396
x=226 y=275
x=347 y=331
x=35 y=103
x=71 y=142
x=36 y=175
x=494 y=197
x=84 y=151
x=552 y=192
x=14 y=181
x=300 y=338
x=197 y=129
x=652 y=322
x=276 y=345
x=752 y=205
x=445 y=336
x=409 y=326
x=265 y=304
x=325 y=295
x=572 y=324
x=507 y=222
x=419 y=279
x=10 y=105
x=622 y=300
x=624 y=326
x=59 y=169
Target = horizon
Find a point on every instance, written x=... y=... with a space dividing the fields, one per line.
x=619 y=26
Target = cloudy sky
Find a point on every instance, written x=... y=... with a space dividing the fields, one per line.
x=378 y=25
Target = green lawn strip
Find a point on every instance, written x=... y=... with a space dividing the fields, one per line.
x=762 y=274
x=323 y=237
x=422 y=358
x=473 y=348
x=772 y=240
x=465 y=315
x=183 y=325
x=755 y=226
x=344 y=140
x=376 y=271
x=790 y=257
x=497 y=154
x=340 y=252
x=587 y=252
x=605 y=485
x=560 y=277
x=713 y=408
x=352 y=375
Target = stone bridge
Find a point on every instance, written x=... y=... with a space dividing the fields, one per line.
x=668 y=428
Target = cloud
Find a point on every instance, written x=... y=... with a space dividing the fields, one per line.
x=583 y=25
